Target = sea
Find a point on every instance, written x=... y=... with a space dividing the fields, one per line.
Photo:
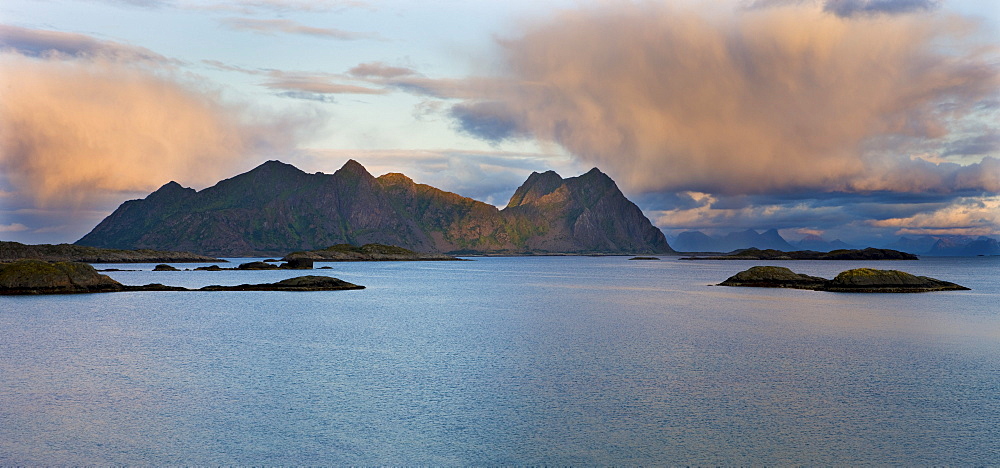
x=507 y=361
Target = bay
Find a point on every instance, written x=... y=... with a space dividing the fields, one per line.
x=514 y=361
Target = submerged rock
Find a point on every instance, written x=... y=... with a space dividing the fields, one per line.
x=644 y=258
x=38 y=277
x=860 y=280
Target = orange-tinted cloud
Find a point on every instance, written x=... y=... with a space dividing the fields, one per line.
x=784 y=98
x=73 y=130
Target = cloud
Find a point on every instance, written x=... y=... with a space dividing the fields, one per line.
x=317 y=85
x=314 y=86
x=380 y=70
x=789 y=99
x=275 y=6
x=247 y=6
x=273 y=26
x=978 y=145
x=487 y=120
x=967 y=216
x=848 y=8
x=13 y=227
x=74 y=131
x=43 y=43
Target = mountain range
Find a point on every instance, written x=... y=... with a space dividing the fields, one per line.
x=697 y=241
x=277 y=208
x=952 y=245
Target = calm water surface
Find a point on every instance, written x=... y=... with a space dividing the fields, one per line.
x=562 y=360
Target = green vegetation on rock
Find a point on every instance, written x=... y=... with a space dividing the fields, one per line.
x=38 y=277
x=861 y=280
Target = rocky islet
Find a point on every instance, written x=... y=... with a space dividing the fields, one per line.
x=858 y=280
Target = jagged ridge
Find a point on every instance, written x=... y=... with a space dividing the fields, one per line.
x=276 y=208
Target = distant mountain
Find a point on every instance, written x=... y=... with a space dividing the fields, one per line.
x=696 y=241
x=950 y=245
x=914 y=245
x=819 y=244
x=276 y=208
x=957 y=248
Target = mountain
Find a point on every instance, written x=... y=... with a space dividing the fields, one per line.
x=957 y=248
x=696 y=241
x=819 y=244
x=277 y=208
x=950 y=245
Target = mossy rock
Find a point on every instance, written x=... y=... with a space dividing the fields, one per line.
x=773 y=277
x=38 y=277
x=859 y=280
x=872 y=280
x=300 y=283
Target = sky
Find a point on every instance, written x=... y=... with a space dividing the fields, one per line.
x=859 y=120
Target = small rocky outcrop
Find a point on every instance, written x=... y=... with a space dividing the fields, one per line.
x=257 y=266
x=644 y=258
x=860 y=280
x=773 y=277
x=38 y=277
x=164 y=267
x=301 y=283
x=297 y=263
x=891 y=281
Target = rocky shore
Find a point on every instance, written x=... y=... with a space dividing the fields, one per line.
x=27 y=277
x=14 y=251
x=859 y=280
x=364 y=253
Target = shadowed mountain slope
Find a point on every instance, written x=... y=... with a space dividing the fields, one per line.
x=276 y=208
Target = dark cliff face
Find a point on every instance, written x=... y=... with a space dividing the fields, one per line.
x=276 y=208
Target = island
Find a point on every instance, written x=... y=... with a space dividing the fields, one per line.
x=30 y=277
x=365 y=253
x=841 y=254
x=13 y=251
x=859 y=280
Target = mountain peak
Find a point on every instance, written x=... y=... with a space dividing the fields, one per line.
x=169 y=190
x=536 y=186
x=352 y=167
x=272 y=169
